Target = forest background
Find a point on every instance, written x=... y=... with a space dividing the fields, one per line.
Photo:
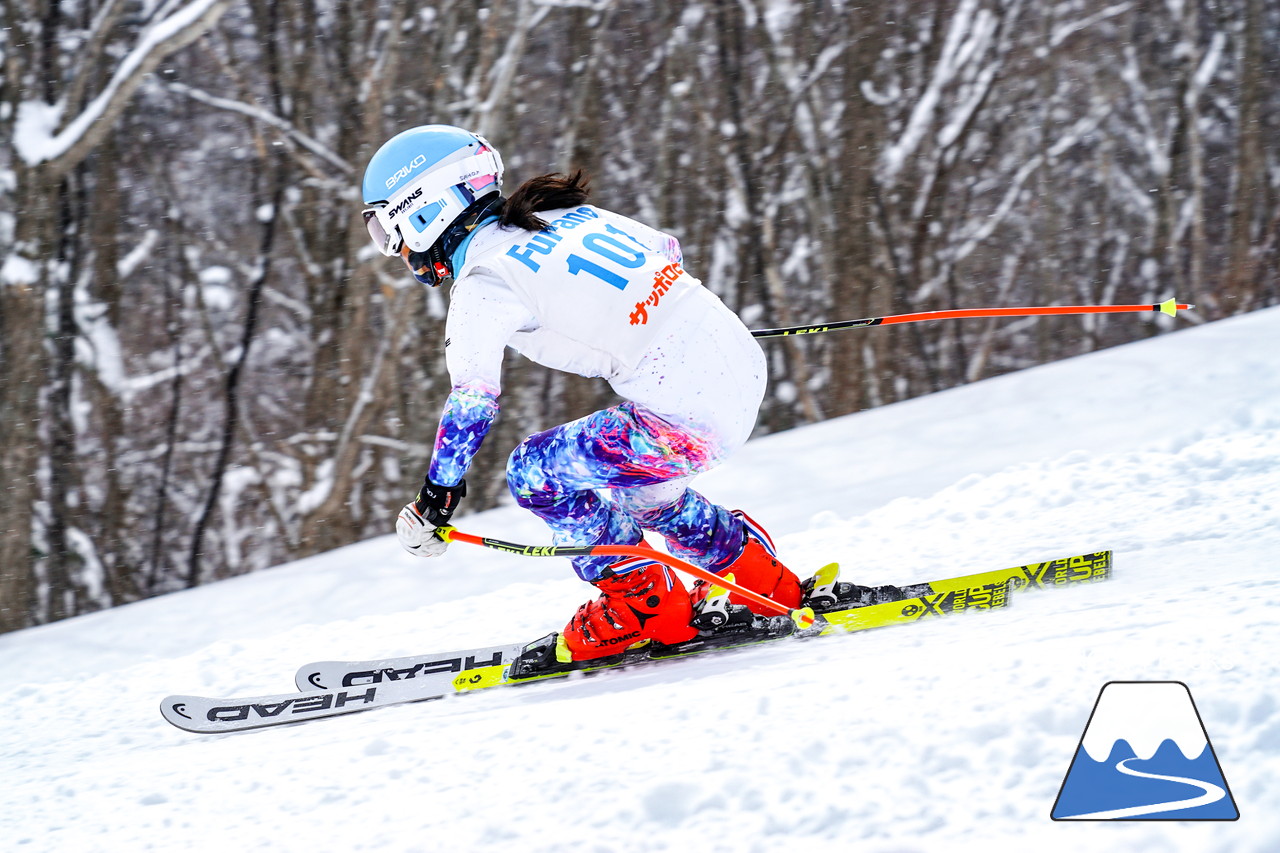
x=206 y=369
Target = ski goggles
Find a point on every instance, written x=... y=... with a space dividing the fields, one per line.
x=384 y=236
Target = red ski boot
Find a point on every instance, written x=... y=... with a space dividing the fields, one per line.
x=648 y=603
x=758 y=569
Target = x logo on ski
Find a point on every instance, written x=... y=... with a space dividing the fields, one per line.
x=931 y=604
x=1035 y=574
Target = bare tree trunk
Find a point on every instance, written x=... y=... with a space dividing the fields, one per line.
x=23 y=362
x=231 y=398
x=37 y=67
x=62 y=565
x=1250 y=191
x=22 y=375
x=859 y=363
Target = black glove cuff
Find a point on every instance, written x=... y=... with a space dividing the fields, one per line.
x=437 y=503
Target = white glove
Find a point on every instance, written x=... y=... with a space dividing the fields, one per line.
x=417 y=535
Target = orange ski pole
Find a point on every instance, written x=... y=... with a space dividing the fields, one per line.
x=1170 y=307
x=803 y=617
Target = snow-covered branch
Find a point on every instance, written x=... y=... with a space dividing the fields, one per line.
x=1062 y=32
x=38 y=139
x=958 y=46
x=266 y=117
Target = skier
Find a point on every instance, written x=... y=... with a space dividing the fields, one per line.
x=581 y=289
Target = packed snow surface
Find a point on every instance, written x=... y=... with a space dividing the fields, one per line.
x=953 y=734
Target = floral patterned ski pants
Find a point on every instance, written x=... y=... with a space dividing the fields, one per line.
x=646 y=463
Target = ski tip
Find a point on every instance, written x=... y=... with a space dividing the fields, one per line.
x=174 y=706
x=309 y=678
x=175 y=712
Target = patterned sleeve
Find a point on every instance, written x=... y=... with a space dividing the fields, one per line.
x=483 y=315
x=468 y=414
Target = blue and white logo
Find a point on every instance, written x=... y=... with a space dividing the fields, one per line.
x=1145 y=755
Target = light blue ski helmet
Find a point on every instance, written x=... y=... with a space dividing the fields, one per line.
x=421 y=182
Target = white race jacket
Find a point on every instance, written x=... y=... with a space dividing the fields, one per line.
x=599 y=295
x=596 y=288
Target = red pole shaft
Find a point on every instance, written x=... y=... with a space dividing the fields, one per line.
x=690 y=568
x=1047 y=310
x=1170 y=307
x=452 y=534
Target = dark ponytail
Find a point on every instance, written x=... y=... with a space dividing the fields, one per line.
x=549 y=192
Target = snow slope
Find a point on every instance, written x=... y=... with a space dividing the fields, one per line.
x=950 y=735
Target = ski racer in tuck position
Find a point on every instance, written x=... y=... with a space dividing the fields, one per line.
x=579 y=288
